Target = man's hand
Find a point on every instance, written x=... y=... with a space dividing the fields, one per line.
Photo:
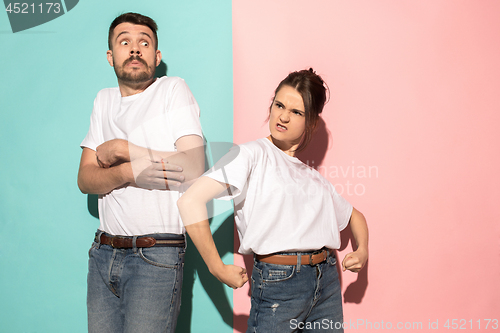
x=111 y=152
x=355 y=261
x=233 y=276
x=156 y=174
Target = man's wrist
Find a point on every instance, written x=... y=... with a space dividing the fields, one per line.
x=122 y=151
x=126 y=174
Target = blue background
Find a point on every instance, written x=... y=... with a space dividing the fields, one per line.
x=50 y=77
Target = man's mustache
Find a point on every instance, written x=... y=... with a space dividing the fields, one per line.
x=136 y=58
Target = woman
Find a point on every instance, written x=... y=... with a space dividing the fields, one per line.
x=286 y=214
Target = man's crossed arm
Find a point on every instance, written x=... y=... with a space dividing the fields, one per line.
x=118 y=163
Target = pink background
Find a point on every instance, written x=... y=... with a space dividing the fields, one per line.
x=415 y=100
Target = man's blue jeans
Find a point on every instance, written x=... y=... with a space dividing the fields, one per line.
x=134 y=290
x=299 y=298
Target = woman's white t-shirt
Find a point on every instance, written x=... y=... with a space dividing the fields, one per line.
x=281 y=204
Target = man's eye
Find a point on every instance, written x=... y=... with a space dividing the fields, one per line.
x=124 y=42
x=145 y=43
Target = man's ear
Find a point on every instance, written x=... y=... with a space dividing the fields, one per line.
x=158 y=57
x=109 y=55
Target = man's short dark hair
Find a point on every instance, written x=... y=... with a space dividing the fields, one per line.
x=133 y=18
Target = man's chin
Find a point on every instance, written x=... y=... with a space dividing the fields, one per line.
x=135 y=79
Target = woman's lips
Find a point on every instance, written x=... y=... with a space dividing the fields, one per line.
x=280 y=127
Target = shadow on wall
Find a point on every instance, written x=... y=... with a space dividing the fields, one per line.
x=194 y=265
x=92 y=205
x=161 y=69
x=315 y=152
x=354 y=292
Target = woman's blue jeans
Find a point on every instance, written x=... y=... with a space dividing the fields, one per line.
x=134 y=290
x=299 y=298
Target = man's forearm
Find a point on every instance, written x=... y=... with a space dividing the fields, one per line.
x=191 y=159
x=95 y=180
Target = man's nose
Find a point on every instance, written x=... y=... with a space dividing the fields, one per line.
x=134 y=50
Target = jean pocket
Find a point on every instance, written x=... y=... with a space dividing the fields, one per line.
x=167 y=257
x=277 y=273
x=94 y=245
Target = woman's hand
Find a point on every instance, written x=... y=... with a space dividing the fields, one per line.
x=234 y=276
x=355 y=261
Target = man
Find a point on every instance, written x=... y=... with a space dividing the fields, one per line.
x=144 y=141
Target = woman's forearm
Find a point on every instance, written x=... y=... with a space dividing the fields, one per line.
x=193 y=210
x=359 y=229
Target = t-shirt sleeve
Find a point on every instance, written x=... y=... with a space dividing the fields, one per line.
x=94 y=136
x=183 y=111
x=233 y=169
x=343 y=209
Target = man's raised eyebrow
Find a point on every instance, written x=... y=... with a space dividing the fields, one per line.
x=127 y=32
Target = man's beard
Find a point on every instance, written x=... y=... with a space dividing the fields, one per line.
x=134 y=77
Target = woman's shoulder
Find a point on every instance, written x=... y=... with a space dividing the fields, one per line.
x=258 y=144
x=256 y=148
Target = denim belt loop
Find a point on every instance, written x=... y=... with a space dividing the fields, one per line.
x=299 y=261
x=134 y=244
x=99 y=238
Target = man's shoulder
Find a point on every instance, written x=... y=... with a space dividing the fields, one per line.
x=169 y=82
x=109 y=92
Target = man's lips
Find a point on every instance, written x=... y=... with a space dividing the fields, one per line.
x=134 y=61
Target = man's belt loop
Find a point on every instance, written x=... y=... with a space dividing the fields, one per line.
x=299 y=261
x=99 y=238
x=134 y=244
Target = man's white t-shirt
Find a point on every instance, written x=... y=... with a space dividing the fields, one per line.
x=281 y=204
x=155 y=119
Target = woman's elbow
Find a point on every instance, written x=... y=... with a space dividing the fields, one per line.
x=183 y=202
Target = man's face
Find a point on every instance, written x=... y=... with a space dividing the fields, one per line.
x=133 y=55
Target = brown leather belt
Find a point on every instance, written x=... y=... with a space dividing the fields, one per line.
x=125 y=242
x=306 y=259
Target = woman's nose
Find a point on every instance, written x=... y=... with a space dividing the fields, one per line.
x=284 y=117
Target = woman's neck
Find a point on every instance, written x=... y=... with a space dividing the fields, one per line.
x=287 y=148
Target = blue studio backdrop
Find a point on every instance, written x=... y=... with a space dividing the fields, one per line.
x=53 y=65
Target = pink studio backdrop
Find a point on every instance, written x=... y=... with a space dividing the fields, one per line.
x=410 y=137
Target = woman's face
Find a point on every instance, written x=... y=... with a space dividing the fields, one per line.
x=287 y=121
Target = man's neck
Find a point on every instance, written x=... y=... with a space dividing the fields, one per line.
x=129 y=89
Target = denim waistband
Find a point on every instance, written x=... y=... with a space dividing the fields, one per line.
x=156 y=235
x=302 y=252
